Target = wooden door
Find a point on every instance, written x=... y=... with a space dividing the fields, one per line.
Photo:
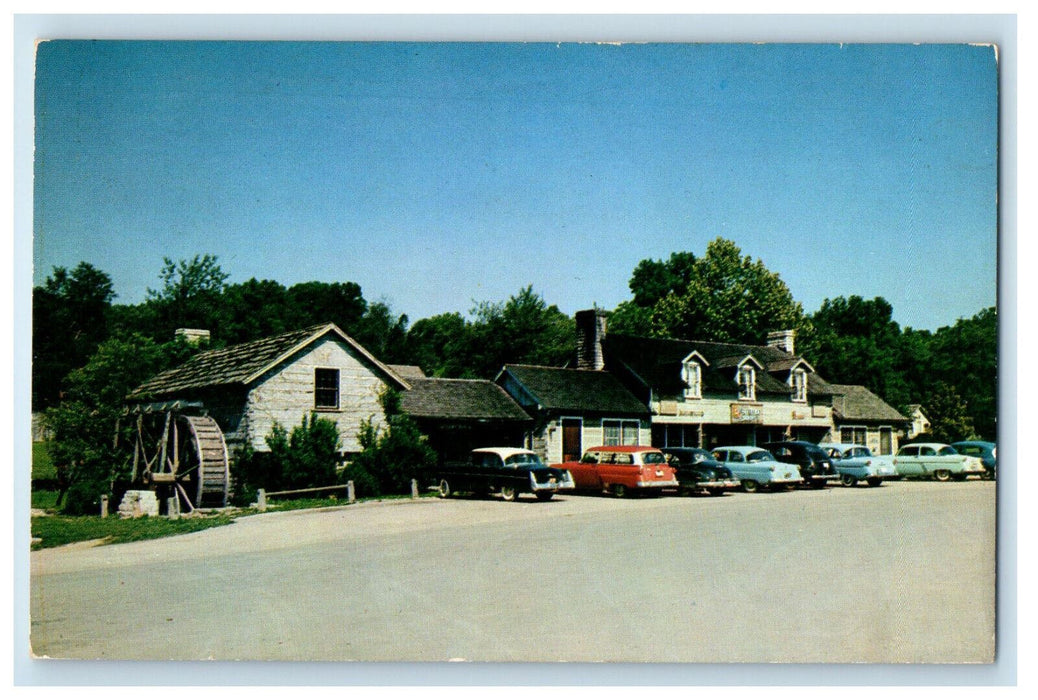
x=571 y=447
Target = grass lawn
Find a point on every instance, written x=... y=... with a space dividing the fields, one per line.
x=42 y=467
x=56 y=530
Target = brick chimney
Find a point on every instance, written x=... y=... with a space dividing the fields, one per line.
x=783 y=340
x=591 y=331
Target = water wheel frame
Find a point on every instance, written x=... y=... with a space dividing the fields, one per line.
x=186 y=457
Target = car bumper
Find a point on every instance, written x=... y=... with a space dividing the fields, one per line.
x=718 y=484
x=553 y=485
x=659 y=484
x=785 y=479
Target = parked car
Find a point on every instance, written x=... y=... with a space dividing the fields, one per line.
x=507 y=470
x=815 y=465
x=757 y=468
x=856 y=463
x=621 y=470
x=697 y=470
x=936 y=459
x=986 y=451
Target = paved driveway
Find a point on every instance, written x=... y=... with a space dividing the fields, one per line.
x=902 y=573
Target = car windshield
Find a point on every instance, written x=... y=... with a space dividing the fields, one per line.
x=859 y=452
x=654 y=458
x=523 y=460
x=759 y=456
x=946 y=451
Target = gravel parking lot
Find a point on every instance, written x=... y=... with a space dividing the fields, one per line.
x=901 y=573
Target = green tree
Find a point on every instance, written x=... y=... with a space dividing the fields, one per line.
x=965 y=356
x=313 y=303
x=949 y=415
x=856 y=341
x=88 y=450
x=524 y=329
x=439 y=345
x=191 y=295
x=383 y=333
x=723 y=296
x=70 y=319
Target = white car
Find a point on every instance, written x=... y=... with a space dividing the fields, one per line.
x=938 y=460
x=856 y=463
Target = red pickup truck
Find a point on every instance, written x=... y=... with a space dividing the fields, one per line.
x=621 y=470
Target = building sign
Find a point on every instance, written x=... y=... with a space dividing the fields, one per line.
x=747 y=413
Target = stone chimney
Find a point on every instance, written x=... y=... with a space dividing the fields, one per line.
x=591 y=331
x=193 y=336
x=783 y=340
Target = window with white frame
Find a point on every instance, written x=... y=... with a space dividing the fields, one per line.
x=799 y=385
x=692 y=374
x=620 y=432
x=747 y=383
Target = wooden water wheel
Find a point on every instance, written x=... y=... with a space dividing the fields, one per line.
x=187 y=458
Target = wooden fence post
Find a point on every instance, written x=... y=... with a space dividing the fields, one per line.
x=261 y=500
x=351 y=495
x=414 y=488
x=173 y=507
x=104 y=506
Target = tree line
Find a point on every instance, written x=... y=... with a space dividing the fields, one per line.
x=89 y=351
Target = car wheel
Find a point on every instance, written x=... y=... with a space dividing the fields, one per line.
x=942 y=475
x=508 y=493
x=445 y=488
x=875 y=481
x=620 y=491
x=750 y=486
x=544 y=495
x=849 y=480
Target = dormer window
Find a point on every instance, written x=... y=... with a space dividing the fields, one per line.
x=692 y=375
x=799 y=381
x=747 y=383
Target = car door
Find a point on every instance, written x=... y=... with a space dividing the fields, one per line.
x=908 y=461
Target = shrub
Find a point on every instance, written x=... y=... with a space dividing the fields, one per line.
x=391 y=457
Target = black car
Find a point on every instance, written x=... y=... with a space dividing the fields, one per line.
x=697 y=470
x=509 y=471
x=815 y=465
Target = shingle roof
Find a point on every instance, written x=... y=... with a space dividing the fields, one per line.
x=242 y=364
x=585 y=391
x=478 y=399
x=854 y=402
x=657 y=362
x=408 y=371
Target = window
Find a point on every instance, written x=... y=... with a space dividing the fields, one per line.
x=800 y=386
x=692 y=375
x=747 y=383
x=620 y=432
x=853 y=435
x=326 y=388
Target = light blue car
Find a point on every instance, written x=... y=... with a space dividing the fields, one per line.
x=856 y=463
x=757 y=468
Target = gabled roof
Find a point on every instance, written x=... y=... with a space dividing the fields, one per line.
x=854 y=402
x=245 y=363
x=657 y=363
x=577 y=390
x=458 y=399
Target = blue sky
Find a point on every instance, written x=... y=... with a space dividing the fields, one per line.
x=440 y=175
